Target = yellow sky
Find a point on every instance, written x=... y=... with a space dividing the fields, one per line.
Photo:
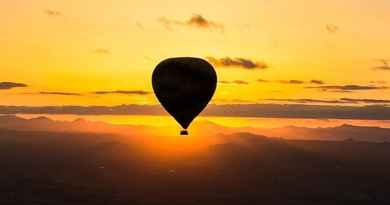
x=56 y=52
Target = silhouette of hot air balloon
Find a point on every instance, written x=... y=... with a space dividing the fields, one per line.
x=184 y=86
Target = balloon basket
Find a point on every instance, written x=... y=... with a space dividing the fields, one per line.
x=184 y=132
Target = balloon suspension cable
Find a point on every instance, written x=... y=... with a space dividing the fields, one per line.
x=184 y=132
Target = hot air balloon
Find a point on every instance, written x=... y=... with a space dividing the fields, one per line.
x=184 y=86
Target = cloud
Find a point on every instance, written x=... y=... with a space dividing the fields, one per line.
x=51 y=12
x=168 y=23
x=379 y=82
x=124 y=92
x=230 y=101
x=347 y=88
x=237 y=62
x=385 y=64
x=10 y=85
x=139 y=25
x=59 y=93
x=339 y=101
x=385 y=67
x=308 y=101
x=242 y=82
x=291 y=81
x=262 y=81
x=332 y=88
x=372 y=112
x=281 y=81
x=331 y=28
x=238 y=82
x=201 y=22
x=102 y=51
x=320 y=82
x=196 y=21
x=364 y=100
x=377 y=112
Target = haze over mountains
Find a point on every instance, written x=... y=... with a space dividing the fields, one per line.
x=201 y=128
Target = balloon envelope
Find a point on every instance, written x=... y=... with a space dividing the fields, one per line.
x=184 y=86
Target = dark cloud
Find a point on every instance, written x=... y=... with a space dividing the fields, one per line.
x=51 y=12
x=224 y=82
x=378 y=112
x=242 y=82
x=237 y=62
x=199 y=21
x=372 y=112
x=384 y=67
x=196 y=20
x=347 y=88
x=364 y=100
x=238 y=82
x=385 y=64
x=331 y=28
x=10 y=85
x=291 y=81
x=262 y=81
x=339 y=101
x=320 y=82
x=102 y=51
x=59 y=93
x=124 y=92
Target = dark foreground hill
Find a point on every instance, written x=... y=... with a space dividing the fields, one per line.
x=94 y=169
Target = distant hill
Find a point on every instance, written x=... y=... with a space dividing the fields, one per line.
x=343 y=132
x=79 y=125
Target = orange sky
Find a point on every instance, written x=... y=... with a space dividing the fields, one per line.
x=79 y=47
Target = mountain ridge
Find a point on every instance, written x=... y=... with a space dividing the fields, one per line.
x=201 y=128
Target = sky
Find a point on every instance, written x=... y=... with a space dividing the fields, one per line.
x=100 y=52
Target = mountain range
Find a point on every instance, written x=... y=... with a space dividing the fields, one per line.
x=203 y=128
